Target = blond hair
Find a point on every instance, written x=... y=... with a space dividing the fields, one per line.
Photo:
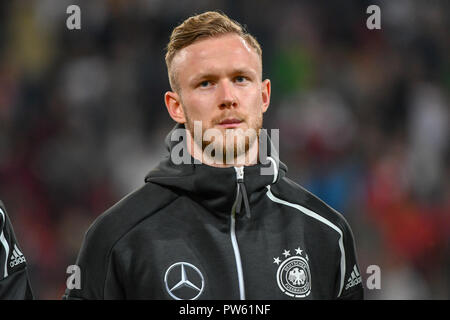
x=205 y=25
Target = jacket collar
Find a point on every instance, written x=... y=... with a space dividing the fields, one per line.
x=212 y=187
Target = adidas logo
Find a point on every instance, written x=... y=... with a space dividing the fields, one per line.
x=355 y=278
x=17 y=257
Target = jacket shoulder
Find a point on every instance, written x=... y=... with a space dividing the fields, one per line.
x=293 y=193
x=112 y=224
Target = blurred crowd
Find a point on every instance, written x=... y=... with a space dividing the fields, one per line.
x=363 y=118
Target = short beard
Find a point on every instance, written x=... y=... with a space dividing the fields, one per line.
x=239 y=149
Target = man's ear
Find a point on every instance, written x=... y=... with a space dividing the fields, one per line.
x=173 y=104
x=265 y=90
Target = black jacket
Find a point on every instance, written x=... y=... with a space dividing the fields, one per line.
x=14 y=281
x=199 y=232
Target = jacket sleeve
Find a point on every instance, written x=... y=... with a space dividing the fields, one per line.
x=14 y=280
x=349 y=284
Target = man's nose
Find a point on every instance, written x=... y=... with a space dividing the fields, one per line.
x=227 y=97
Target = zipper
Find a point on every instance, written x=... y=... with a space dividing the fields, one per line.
x=237 y=255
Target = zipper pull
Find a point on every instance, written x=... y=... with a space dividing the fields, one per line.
x=239 y=173
x=242 y=193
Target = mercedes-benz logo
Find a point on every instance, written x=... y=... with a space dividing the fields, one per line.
x=184 y=281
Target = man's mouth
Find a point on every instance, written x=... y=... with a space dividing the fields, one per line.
x=230 y=123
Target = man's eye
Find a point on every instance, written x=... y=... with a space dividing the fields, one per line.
x=205 y=83
x=240 y=79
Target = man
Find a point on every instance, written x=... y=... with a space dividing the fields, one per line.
x=14 y=282
x=219 y=224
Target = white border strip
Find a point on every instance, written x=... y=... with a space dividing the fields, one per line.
x=321 y=219
x=5 y=243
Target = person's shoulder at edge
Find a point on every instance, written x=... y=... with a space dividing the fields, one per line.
x=14 y=280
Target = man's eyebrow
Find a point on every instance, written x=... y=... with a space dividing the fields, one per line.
x=201 y=76
x=243 y=71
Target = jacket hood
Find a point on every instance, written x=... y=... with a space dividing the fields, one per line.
x=215 y=188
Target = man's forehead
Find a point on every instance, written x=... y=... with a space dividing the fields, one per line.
x=207 y=48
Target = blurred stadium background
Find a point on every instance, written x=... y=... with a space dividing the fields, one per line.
x=363 y=117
